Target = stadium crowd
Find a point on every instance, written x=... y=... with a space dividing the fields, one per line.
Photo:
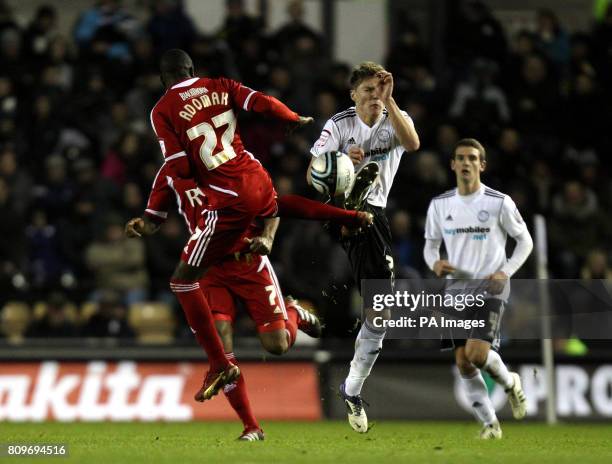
x=78 y=156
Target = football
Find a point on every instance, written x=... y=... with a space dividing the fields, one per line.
x=332 y=174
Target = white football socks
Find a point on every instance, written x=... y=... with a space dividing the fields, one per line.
x=478 y=396
x=498 y=370
x=367 y=347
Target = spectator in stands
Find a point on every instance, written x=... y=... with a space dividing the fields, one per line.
x=575 y=228
x=105 y=30
x=92 y=97
x=18 y=180
x=238 y=25
x=57 y=191
x=11 y=58
x=287 y=36
x=7 y=19
x=39 y=34
x=9 y=103
x=537 y=103
x=523 y=46
x=110 y=318
x=55 y=323
x=552 y=38
x=12 y=245
x=426 y=177
x=212 y=57
x=133 y=201
x=118 y=263
x=406 y=249
x=408 y=61
x=586 y=115
x=123 y=163
x=581 y=56
x=447 y=136
x=479 y=105
x=47 y=266
x=170 y=26
x=596 y=266
x=42 y=132
x=473 y=31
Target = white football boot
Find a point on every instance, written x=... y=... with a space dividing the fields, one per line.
x=491 y=432
x=517 y=398
x=358 y=420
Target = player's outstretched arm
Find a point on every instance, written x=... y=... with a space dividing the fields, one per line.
x=139 y=226
x=272 y=106
x=404 y=128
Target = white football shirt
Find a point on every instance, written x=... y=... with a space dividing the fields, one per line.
x=474 y=229
x=378 y=142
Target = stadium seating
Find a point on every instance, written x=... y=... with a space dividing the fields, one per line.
x=14 y=320
x=153 y=322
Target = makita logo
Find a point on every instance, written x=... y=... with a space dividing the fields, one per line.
x=467 y=230
x=191 y=93
x=93 y=392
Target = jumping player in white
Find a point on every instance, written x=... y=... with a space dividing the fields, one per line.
x=375 y=130
x=474 y=221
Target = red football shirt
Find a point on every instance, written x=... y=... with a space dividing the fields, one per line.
x=195 y=120
x=190 y=200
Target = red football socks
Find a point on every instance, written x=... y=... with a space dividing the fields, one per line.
x=236 y=394
x=296 y=206
x=200 y=320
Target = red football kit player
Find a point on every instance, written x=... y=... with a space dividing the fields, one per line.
x=246 y=276
x=195 y=123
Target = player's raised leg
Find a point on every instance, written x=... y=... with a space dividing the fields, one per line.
x=296 y=206
x=278 y=319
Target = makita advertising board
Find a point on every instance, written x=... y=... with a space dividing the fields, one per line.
x=130 y=391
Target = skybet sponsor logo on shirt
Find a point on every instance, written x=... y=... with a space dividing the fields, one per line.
x=131 y=391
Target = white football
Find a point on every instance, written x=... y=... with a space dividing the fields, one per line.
x=332 y=174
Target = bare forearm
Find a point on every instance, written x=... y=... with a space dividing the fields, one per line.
x=270 y=227
x=404 y=129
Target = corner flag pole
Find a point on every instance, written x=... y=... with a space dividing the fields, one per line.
x=547 y=345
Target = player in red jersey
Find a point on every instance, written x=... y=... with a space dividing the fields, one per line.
x=195 y=123
x=248 y=277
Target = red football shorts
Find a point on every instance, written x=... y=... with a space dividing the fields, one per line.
x=226 y=218
x=252 y=280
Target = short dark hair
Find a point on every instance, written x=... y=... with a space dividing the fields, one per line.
x=176 y=63
x=363 y=71
x=473 y=143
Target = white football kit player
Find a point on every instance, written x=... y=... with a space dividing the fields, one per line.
x=474 y=229
x=379 y=143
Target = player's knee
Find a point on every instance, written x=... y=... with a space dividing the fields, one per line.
x=476 y=357
x=277 y=348
x=275 y=342
x=466 y=368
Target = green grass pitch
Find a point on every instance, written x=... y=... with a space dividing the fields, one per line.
x=313 y=442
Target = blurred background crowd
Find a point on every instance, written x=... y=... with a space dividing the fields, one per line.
x=78 y=156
